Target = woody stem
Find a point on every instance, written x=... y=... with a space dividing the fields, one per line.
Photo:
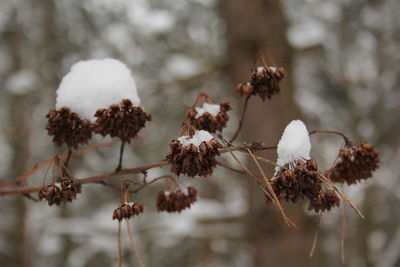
x=121 y=153
x=241 y=119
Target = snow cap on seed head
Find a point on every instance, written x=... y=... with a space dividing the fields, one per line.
x=94 y=84
x=294 y=144
x=198 y=138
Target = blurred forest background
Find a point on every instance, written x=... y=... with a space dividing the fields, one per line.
x=343 y=73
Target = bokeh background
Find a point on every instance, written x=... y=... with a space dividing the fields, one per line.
x=343 y=73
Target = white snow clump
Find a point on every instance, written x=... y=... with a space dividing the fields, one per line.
x=261 y=68
x=94 y=84
x=213 y=109
x=294 y=144
x=198 y=138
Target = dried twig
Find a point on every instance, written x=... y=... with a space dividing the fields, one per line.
x=133 y=245
x=42 y=164
x=318 y=225
x=347 y=140
x=241 y=119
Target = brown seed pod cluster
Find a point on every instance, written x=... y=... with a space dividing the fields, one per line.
x=325 y=201
x=297 y=183
x=193 y=160
x=127 y=210
x=207 y=121
x=121 y=120
x=68 y=128
x=56 y=193
x=264 y=81
x=176 y=201
x=354 y=163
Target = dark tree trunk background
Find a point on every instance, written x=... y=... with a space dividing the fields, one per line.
x=252 y=25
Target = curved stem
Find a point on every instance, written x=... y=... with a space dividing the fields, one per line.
x=241 y=119
x=347 y=140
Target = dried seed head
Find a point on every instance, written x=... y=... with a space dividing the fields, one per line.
x=66 y=127
x=193 y=160
x=57 y=193
x=123 y=120
x=208 y=121
x=325 y=201
x=176 y=201
x=354 y=163
x=264 y=81
x=127 y=210
x=296 y=183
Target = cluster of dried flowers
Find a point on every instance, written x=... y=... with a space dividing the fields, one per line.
x=56 y=193
x=121 y=120
x=263 y=81
x=193 y=160
x=301 y=181
x=324 y=201
x=176 y=201
x=127 y=210
x=67 y=127
x=207 y=121
x=354 y=163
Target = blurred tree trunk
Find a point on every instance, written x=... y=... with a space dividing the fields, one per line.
x=251 y=25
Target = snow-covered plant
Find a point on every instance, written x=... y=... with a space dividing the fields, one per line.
x=100 y=96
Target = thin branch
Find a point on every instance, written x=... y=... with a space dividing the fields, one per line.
x=121 y=155
x=42 y=164
x=92 y=179
x=343 y=233
x=241 y=119
x=119 y=245
x=231 y=168
x=342 y=195
x=346 y=139
x=133 y=245
x=314 y=245
x=272 y=192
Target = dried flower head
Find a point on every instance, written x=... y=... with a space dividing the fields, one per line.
x=264 y=81
x=127 y=210
x=325 y=201
x=176 y=201
x=56 y=193
x=67 y=127
x=123 y=120
x=297 y=182
x=204 y=115
x=354 y=163
x=194 y=155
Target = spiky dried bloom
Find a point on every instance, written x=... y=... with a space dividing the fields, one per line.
x=324 y=201
x=264 y=81
x=354 y=163
x=56 y=193
x=121 y=120
x=193 y=160
x=207 y=121
x=176 y=201
x=297 y=182
x=127 y=210
x=68 y=128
